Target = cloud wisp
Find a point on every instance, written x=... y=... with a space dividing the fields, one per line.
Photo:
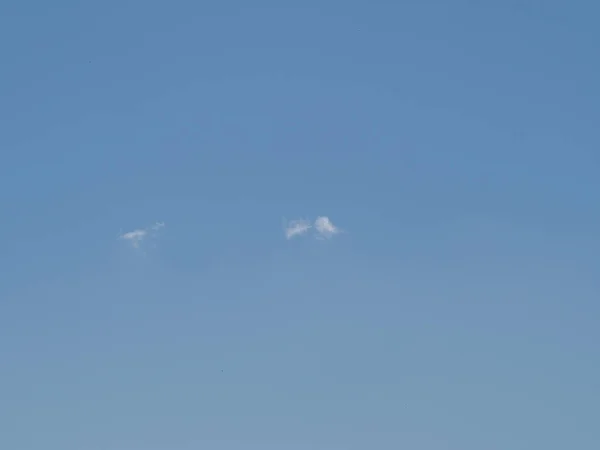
x=136 y=237
x=295 y=228
x=323 y=228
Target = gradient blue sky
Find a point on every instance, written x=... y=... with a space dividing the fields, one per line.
x=455 y=142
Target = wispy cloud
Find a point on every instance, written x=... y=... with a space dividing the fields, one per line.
x=325 y=227
x=296 y=228
x=136 y=237
x=157 y=226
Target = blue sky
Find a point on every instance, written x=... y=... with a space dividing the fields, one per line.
x=453 y=145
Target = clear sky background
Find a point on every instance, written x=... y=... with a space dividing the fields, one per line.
x=456 y=145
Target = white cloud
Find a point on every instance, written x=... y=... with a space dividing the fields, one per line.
x=136 y=237
x=157 y=226
x=296 y=228
x=325 y=227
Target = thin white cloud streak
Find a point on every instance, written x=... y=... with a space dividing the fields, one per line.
x=157 y=226
x=136 y=237
x=296 y=228
x=325 y=227
x=322 y=227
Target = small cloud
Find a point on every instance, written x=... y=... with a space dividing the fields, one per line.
x=296 y=228
x=325 y=227
x=157 y=226
x=136 y=237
